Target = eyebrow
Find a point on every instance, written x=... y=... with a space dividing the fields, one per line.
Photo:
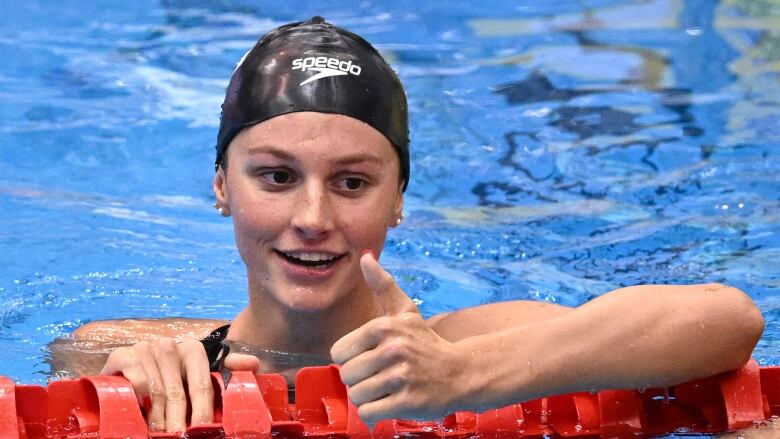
x=266 y=149
x=347 y=160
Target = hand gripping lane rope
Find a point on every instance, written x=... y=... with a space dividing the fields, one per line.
x=256 y=406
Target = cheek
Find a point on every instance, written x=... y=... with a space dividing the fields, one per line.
x=254 y=225
x=366 y=230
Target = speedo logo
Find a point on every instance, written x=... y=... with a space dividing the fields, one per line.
x=325 y=66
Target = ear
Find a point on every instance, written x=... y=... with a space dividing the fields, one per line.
x=220 y=191
x=398 y=209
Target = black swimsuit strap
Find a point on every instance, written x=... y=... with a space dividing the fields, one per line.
x=214 y=346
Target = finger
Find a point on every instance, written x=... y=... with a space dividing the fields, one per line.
x=362 y=339
x=236 y=361
x=367 y=364
x=378 y=386
x=156 y=416
x=383 y=408
x=390 y=296
x=124 y=361
x=169 y=364
x=199 y=387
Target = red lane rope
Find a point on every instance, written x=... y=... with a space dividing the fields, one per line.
x=256 y=406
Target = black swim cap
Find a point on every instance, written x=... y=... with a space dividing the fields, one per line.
x=315 y=66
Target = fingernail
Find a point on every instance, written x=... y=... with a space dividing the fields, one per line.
x=369 y=252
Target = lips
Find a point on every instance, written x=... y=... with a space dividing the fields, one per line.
x=310 y=259
x=309 y=265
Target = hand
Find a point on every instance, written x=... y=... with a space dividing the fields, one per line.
x=157 y=371
x=396 y=366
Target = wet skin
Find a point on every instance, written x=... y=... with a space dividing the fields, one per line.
x=309 y=193
x=309 y=183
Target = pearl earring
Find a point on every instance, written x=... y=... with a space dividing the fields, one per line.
x=399 y=220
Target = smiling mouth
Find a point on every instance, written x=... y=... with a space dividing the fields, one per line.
x=311 y=260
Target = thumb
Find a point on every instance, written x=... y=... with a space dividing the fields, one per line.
x=390 y=296
x=242 y=362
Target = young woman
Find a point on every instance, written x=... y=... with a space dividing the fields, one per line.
x=312 y=164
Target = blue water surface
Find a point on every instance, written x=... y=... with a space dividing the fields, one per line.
x=559 y=150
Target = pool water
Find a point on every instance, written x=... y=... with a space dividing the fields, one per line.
x=559 y=150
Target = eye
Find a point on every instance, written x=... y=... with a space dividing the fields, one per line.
x=278 y=177
x=351 y=184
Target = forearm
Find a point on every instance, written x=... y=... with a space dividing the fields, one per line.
x=625 y=339
x=71 y=358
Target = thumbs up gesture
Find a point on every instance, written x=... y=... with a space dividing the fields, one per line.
x=395 y=365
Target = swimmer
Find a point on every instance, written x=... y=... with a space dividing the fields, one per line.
x=312 y=164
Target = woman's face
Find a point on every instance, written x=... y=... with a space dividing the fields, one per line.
x=308 y=193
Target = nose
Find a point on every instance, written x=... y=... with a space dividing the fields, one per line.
x=313 y=218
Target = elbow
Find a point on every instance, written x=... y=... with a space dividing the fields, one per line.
x=87 y=331
x=743 y=321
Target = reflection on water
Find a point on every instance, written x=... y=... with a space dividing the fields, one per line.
x=559 y=150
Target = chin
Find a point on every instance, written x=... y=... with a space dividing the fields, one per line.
x=307 y=299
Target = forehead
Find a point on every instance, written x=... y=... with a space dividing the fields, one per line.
x=317 y=135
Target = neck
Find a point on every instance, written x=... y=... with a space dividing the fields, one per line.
x=268 y=324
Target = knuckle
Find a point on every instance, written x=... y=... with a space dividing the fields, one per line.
x=399 y=378
x=386 y=281
x=398 y=381
x=156 y=391
x=405 y=370
x=124 y=359
x=191 y=344
x=410 y=401
x=175 y=393
x=366 y=414
x=354 y=396
x=133 y=362
x=164 y=344
x=410 y=318
x=346 y=375
x=384 y=326
x=140 y=348
x=193 y=353
x=123 y=352
x=202 y=385
x=396 y=349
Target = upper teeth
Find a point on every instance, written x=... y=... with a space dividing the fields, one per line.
x=311 y=256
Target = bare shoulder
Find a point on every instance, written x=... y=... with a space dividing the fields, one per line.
x=131 y=331
x=492 y=317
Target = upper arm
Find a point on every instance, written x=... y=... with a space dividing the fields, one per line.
x=492 y=317
x=131 y=331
